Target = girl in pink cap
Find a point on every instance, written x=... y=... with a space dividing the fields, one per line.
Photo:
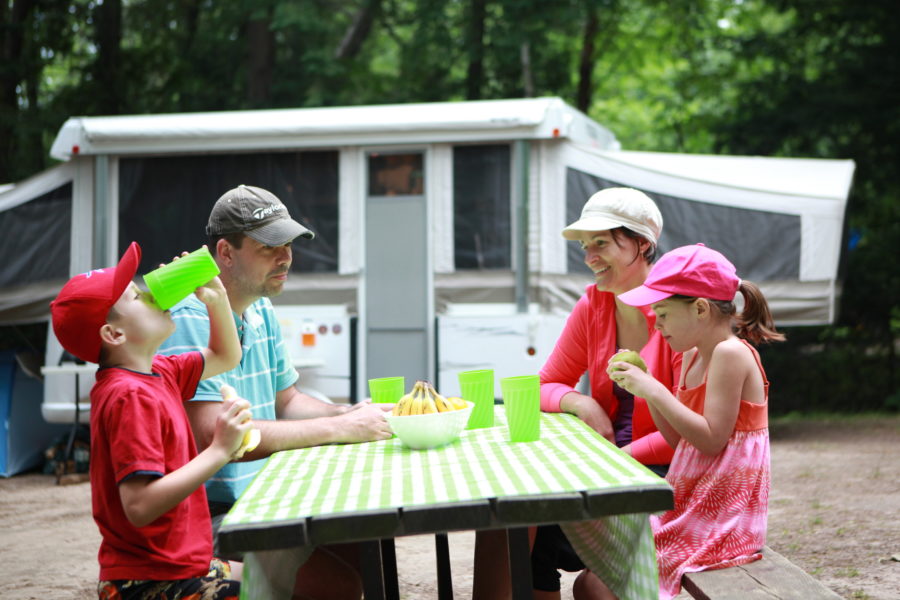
x=618 y=231
x=717 y=422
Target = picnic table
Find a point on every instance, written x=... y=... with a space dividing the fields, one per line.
x=376 y=491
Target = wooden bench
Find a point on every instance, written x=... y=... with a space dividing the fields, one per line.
x=773 y=577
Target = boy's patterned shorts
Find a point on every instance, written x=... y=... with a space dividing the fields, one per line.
x=215 y=586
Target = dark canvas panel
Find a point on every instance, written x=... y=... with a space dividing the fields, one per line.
x=482 y=222
x=35 y=238
x=763 y=245
x=164 y=202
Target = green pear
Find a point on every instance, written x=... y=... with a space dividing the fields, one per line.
x=629 y=356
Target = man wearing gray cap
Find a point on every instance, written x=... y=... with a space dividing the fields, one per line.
x=250 y=234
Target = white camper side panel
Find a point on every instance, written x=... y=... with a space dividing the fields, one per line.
x=440 y=198
x=549 y=199
x=318 y=340
x=493 y=337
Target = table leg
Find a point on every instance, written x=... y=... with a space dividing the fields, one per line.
x=371 y=570
x=444 y=577
x=389 y=569
x=519 y=563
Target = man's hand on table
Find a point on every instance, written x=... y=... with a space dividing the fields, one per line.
x=363 y=422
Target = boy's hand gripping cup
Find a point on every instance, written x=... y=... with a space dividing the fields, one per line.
x=522 y=402
x=172 y=283
x=478 y=388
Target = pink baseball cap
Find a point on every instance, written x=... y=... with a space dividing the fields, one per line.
x=695 y=271
x=81 y=307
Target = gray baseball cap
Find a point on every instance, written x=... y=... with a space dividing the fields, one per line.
x=257 y=213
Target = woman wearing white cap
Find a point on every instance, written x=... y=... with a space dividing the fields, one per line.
x=618 y=230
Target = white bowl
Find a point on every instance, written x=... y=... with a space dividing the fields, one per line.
x=430 y=430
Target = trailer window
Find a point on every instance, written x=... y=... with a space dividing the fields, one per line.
x=481 y=207
x=396 y=174
x=164 y=202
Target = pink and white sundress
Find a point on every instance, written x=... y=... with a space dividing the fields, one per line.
x=721 y=502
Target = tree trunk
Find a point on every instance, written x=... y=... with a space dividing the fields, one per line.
x=358 y=30
x=109 y=57
x=33 y=152
x=12 y=36
x=260 y=60
x=527 y=77
x=475 y=72
x=586 y=64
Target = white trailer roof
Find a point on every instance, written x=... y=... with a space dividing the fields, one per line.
x=801 y=177
x=799 y=203
x=484 y=120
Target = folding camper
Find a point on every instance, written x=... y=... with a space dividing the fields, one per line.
x=438 y=242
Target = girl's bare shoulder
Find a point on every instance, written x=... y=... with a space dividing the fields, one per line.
x=733 y=352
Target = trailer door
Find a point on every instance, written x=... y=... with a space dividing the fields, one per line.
x=397 y=267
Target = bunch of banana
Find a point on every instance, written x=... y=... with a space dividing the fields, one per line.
x=252 y=437
x=424 y=399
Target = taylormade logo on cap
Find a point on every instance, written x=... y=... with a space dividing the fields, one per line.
x=257 y=213
x=262 y=213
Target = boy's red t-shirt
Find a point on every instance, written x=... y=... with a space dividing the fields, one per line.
x=139 y=426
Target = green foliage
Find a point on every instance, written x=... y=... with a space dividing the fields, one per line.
x=830 y=369
x=760 y=77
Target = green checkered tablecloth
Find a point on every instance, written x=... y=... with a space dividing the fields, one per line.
x=378 y=477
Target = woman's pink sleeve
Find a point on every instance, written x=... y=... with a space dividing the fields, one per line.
x=568 y=361
x=652 y=449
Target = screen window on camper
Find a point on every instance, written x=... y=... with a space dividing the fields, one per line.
x=481 y=207
x=164 y=201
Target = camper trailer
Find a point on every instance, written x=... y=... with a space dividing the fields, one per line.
x=438 y=245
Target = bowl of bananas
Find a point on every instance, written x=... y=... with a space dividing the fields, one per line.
x=425 y=419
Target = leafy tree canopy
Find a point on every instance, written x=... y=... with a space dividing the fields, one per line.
x=803 y=78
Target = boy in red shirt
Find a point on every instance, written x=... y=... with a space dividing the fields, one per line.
x=147 y=478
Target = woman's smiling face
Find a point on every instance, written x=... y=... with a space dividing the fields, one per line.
x=616 y=261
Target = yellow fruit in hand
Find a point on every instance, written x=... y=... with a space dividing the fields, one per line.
x=251 y=440
x=252 y=437
x=629 y=356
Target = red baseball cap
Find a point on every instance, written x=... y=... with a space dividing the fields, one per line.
x=82 y=305
x=695 y=271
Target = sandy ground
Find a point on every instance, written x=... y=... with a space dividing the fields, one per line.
x=834 y=511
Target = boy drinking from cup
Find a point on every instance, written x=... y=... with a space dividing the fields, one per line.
x=147 y=478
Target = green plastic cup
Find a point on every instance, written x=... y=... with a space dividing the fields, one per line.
x=387 y=390
x=478 y=388
x=172 y=283
x=522 y=402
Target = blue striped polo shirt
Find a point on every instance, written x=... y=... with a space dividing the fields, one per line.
x=265 y=369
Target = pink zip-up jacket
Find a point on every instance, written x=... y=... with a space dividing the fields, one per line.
x=586 y=344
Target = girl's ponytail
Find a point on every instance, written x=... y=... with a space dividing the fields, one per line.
x=755 y=321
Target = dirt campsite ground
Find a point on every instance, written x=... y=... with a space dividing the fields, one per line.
x=834 y=510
